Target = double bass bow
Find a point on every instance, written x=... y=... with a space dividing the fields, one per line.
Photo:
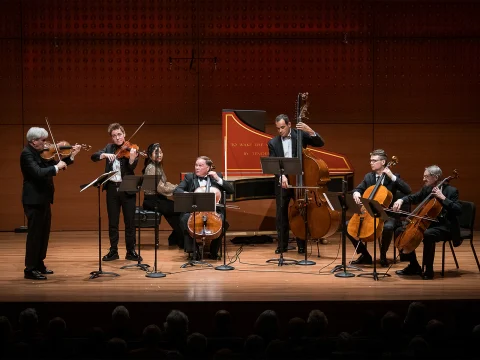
x=362 y=226
x=308 y=188
x=420 y=219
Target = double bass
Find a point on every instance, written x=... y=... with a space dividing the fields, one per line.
x=322 y=221
x=420 y=219
x=362 y=226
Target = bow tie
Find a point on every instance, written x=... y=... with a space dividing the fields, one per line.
x=202 y=178
x=286 y=137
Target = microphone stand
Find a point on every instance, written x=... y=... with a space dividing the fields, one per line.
x=155 y=273
x=224 y=267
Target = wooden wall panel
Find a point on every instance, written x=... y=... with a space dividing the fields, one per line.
x=426 y=19
x=10 y=82
x=97 y=81
x=268 y=74
x=447 y=145
x=427 y=80
x=10 y=19
x=11 y=211
x=399 y=75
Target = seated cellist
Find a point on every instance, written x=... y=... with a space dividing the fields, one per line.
x=393 y=182
x=446 y=228
x=192 y=181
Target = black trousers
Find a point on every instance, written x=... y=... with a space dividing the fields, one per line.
x=431 y=236
x=39 y=220
x=166 y=207
x=120 y=201
x=389 y=227
x=281 y=217
x=188 y=240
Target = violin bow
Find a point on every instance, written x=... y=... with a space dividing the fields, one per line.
x=54 y=143
x=135 y=131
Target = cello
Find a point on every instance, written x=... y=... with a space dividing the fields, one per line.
x=308 y=189
x=420 y=219
x=206 y=225
x=362 y=226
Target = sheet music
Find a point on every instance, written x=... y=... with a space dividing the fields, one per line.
x=105 y=175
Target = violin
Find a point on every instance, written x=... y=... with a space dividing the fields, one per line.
x=64 y=150
x=124 y=151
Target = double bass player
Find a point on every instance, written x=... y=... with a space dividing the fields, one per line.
x=285 y=145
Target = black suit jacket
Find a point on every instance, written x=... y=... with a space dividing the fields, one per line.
x=392 y=186
x=190 y=183
x=38 y=176
x=275 y=148
x=451 y=207
x=125 y=167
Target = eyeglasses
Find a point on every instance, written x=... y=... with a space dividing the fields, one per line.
x=374 y=161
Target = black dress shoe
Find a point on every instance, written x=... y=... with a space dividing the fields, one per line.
x=45 y=271
x=410 y=270
x=214 y=256
x=427 y=275
x=384 y=262
x=132 y=255
x=277 y=251
x=112 y=255
x=301 y=250
x=33 y=275
x=363 y=259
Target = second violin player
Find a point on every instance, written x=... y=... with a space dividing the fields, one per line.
x=117 y=200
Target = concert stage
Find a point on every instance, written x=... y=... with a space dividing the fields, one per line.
x=250 y=288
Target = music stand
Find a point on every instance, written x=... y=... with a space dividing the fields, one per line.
x=133 y=183
x=98 y=182
x=281 y=166
x=376 y=211
x=343 y=202
x=224 y=267
x=192 y=203
x=150 y=182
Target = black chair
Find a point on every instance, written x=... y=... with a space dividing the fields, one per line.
x=146 y=219
x=466 y=221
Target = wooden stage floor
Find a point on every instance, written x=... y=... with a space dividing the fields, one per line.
x=73 y=255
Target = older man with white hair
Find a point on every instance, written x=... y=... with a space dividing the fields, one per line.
x=445 y=228
x=37 y=195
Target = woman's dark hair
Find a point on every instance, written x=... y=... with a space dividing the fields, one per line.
x=150 y=150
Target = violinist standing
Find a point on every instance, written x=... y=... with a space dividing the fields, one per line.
x=192 y=181
x=119 y=200
x=393 y=182
x=285 y=145
x=446 y=228
x=37 y=195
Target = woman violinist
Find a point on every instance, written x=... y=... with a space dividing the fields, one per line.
x=446 y=228
x=200 y=178
x=393 y=183
x=157 y=200
x=122 y=157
